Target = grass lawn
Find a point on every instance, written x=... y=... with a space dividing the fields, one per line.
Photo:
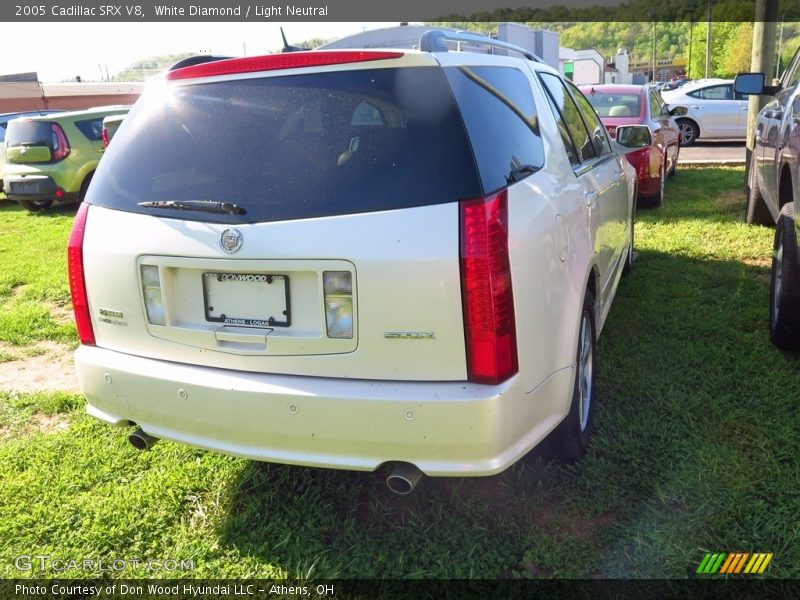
x=697 y=447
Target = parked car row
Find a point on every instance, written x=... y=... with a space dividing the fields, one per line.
x=52 y=157
x=773 y=196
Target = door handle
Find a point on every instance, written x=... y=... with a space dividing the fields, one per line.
x=697 y=107
x=591 y=198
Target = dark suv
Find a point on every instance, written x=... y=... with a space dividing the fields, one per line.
x=774 y=194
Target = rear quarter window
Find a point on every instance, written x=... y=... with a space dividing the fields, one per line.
x=92 y=129
x=500 y=116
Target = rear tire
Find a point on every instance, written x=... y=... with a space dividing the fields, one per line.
x=675 y=164
x=689 y=132
x=35 y=205
x=784 y=285
x=755 y=208
x=574 y=433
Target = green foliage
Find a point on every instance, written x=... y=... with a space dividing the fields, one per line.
x=142 y=69
x=672 y=24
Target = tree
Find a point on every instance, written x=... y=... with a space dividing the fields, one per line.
x=142 y=69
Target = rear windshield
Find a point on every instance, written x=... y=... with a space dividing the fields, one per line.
x=29 y=133
x=615 y=105
x=291 y=147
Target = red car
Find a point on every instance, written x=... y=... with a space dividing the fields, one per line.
x=641 y=105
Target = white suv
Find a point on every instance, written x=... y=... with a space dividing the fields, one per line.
x=351 y=258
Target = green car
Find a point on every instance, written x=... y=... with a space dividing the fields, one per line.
x=52 y=158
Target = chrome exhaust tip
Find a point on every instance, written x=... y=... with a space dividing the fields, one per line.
x=403 y=478
x=141 y=440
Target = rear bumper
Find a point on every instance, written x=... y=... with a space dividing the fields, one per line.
x=649 y=186
x=33 y=188
x=648 y=179
x=30 y=187
x=445 y=429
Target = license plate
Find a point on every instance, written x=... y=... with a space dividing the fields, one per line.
x=26 y=187
x=247 y=299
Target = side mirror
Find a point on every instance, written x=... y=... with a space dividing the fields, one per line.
x=750 y=84
x=634 y=136
x=678 y=111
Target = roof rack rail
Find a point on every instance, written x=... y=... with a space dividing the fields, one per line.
x=434 y=41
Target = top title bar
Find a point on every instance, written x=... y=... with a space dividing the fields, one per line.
x=408 y=10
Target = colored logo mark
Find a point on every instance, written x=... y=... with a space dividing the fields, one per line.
x=732 y=563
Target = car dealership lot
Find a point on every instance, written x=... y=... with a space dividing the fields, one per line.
x=696 y=449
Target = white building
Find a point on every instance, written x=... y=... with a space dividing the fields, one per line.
x=588 y=67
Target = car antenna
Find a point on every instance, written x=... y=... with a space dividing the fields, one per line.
x=287 y=47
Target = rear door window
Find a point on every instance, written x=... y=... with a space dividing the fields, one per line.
x=596 y=129
x=714 y=92
x=293 y=146
x=572 y=116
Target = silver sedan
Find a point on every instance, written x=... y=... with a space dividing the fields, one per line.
x=714 y=110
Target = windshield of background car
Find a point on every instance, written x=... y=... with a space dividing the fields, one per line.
x=293 y=146
x=615 y=105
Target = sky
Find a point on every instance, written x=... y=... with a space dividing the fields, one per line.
x=62 y=51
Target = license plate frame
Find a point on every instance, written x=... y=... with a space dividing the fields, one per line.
x=277 y=311
x=25 y=187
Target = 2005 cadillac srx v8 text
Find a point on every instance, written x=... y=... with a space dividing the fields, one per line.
x=347 y=259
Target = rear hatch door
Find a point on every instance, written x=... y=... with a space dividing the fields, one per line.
x=301 y=222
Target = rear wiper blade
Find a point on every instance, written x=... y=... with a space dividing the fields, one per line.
x=211 y=206
x=521 y=172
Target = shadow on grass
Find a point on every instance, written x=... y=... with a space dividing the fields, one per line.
x=697 y=418
x=57 y=210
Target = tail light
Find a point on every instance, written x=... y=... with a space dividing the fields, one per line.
x=338 y=288
x=486 y=291
x=60 y=144
x=104 y=136
x=153 y=299
x=77 y=281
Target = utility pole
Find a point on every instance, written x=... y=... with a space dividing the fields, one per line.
x=780 y=44
x=762 y=61
x=655 y=77
x=708 y=41
x=691 y=39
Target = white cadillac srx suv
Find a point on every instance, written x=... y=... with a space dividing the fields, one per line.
x=347 y=259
